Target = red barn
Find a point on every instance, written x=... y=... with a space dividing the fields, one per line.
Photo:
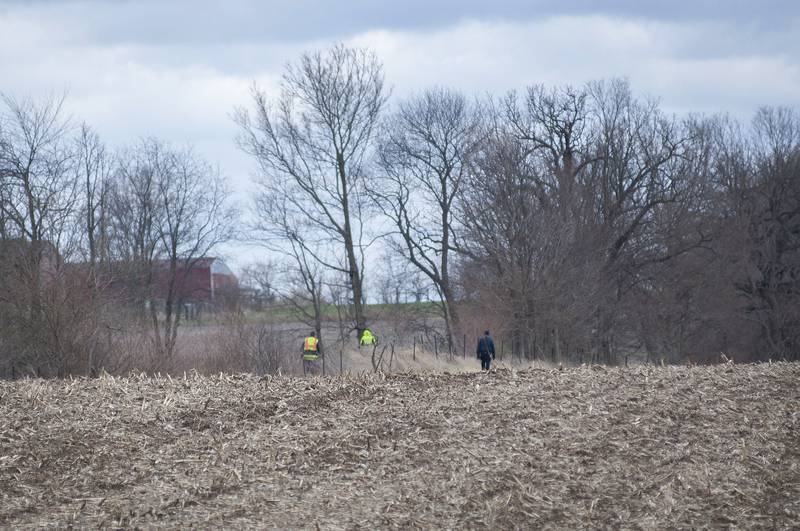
x=208 y=280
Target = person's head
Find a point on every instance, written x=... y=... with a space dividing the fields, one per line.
x=486 y=333
x=313 y=334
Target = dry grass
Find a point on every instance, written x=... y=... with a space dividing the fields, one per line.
x=631 y=448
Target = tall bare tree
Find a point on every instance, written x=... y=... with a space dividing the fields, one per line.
x=93 y=171
x=39 y=191
x=640 y=171
x=550 y=138
x=315 y=136
x=425 y=152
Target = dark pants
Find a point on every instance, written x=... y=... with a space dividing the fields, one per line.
x=311 y=367
x=485 y=362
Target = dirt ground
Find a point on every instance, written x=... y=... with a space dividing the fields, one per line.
x=644 y=447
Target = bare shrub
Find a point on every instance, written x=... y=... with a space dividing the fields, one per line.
x=235 y=345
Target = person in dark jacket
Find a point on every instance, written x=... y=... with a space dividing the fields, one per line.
x=485 y=350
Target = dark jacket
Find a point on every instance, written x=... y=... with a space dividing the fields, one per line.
x=485 y=347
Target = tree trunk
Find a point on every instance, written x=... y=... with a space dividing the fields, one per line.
x=450 y=314
x=352 y=260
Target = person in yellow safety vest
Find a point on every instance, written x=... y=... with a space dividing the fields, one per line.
x=310 y=354
x=368 y=338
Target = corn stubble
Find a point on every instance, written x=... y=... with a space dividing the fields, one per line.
x=644 y=447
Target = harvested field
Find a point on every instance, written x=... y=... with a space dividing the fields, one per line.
x=590 y=447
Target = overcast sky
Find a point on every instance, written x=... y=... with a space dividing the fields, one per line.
x=176 y=68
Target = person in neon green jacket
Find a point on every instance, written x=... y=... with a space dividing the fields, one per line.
x=368 y=338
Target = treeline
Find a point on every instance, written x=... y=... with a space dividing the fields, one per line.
x=578 y=223
x=604 y=227
x=582 y=223
x=85 y=236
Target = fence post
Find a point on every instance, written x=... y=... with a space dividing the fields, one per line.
x=501 y=349
x=436 y=346
x=464 y=345
x=414 y=350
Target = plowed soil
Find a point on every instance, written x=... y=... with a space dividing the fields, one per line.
x=588 y=447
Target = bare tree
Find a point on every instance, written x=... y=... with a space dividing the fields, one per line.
x=94 y=169
x=640 y=171
x=736 y=290
x=261 y=278
x=577 y=194
x=545 y=150
x=516 y=250
x=398 y=280
x=769 y=203
x=197 y=218
x=35 y=162
x=170 y=209
x=37 y=195
x=425 y=152
x=137 y=218
x=280 y=229
x=47 y=319
x=555 y=129
x=315 y=138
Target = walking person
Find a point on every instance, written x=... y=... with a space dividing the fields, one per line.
x=311 y=354
x=485 y=350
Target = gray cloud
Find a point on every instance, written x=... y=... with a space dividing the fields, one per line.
x=202 y=21
x=176 y=69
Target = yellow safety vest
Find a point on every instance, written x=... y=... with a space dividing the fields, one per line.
x=367 y=338
x=310 y=349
